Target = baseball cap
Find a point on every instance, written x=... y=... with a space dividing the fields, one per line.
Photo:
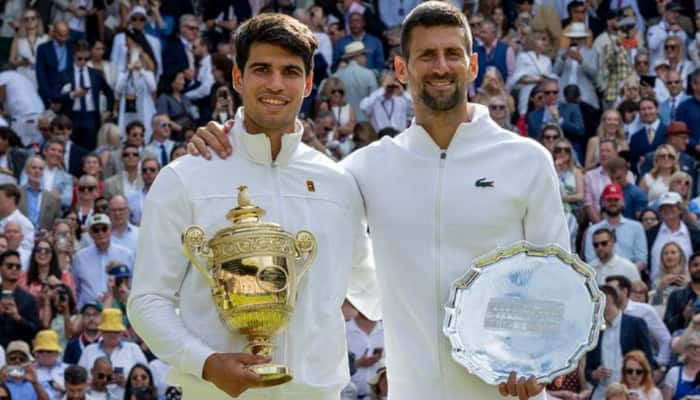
x=119 y=271
x=138 y=10
x=674 y=6
x=97 y=306
x=670 y=199
x=99 y=219
x=613 y=191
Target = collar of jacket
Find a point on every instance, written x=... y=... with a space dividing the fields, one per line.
x=257 y=146
x=418 y=141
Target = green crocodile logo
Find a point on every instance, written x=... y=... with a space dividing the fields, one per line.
x=484 y=183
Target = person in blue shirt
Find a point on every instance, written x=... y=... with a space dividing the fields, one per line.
x=373 y=46
x=22 y=380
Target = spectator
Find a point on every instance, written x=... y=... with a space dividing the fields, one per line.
x=11 y=151
x=649 y=218
x=375 y=51
x=44 y=272
x=544 y=19
x=149 y=170
x=108 y=142
x=129 y=180
x=631 y=243
x=9 y=199
x=610 y=128
x=624 y=333
x=102 y=375
x=178 y=55
x=123 y=233
x=577 y=64
x=615 y=69
x=89 y=264
x=656 y=182
x=49 y=368
x=123 y=354
x=366 y=341
x=76 y=379
x=500 y=112
x=161 y=144
x=607 y=262
x=679 y=379
x=649 y=138
x=572 y=385
x=171 y=101
x=673 y=273
x=616 y=391
x=595 y=180
x=668 y=26
x=333 y=93
x=136 y=85
x=681 y=184
x=640 y=292
x=58 y=311
x=14 y=236
x=22 y=103
x=62 y=129
x=199 y=88
x=532 y=65
x=19 y=319
x=80 y=91
x=358 y=79
x=25 y=44
x=659 y=334
x=568 y=116
x=52 y=60
x=570 y=184
x=637 y=376
x=629 y=109
x=694 y=46
x=668 y=108
x=676 y=137
x=689 y=111
x=23 y=382
x=87 y=189
x=389 y=106
x=87 y=333
x=117 y=292
x=379 y=384
x=363 y=134
x=680 y=302
x=109 y=70
x=140 y=377
x=55 y=178
x=654 y=86
x=493 y=53
x=147 y=43
x=41 y=206
x=493 y=85
x=674 y=50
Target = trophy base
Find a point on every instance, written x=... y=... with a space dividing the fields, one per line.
x=272 y=374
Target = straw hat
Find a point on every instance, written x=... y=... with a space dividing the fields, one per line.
x=19 y=346
x=577 y=30
x=47 y=340
x=111 y=320
x=353 y=49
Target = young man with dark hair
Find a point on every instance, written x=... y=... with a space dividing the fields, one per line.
x=76 y=379
x=451 y=147
x=273 y=75
x=19 y=312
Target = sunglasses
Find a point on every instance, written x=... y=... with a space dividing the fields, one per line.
x=636 y=371
x=13 y=266
x=149 y=170
x=136 y=134
x=102 y=376
x=191 y=27
x=666 y=155
x=551 y=92
x=497 y=107
x=138 y=19
x=16 y=359
x=86 y=188
x=599 y=244
x=670 y=47
x=673 y=82
x=339 y=91
x=43 y=250
x=98 y=229
x=165 y=124
x=30 y=18
x=140 y=377
x=130 y=154
x=82 y=58
x=562 y=150
x=550 y=137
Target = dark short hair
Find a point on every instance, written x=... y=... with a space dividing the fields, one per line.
x=80 y=46
x=53 y=141
x=8 y=253
x=133 y=124
x=610 y=294
x=608 y=140
x=622 y=282
x=223 y=63
x=617 y=164
x=278 y=30
x=130 y=146
x=693 y=257
x=75 y=375
x=431 y=14
x=651 y=99
x=8 y=134
x=61 y=121
x=575 y=3
x=571 y=93
x=609 y=231
x=11 y=190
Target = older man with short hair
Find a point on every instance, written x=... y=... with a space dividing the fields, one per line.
x=40 y=206
x=123 y=232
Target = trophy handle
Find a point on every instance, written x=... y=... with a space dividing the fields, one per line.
x=194 y=240
x=305 y=242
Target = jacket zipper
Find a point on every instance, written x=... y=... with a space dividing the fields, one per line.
x=438 y=224
x=279 y=205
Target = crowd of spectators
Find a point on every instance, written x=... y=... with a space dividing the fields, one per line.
x=99 y=95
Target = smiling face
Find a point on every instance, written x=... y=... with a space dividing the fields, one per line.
x=634 y=373
x=438 y=68
x=272 y=86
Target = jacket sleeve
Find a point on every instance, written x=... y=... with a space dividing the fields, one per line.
x=640 y=245
x=160 y=269
x=572 y=120
x=673 y=317
x=544 y=220
x=107 y=91
x=42 y=76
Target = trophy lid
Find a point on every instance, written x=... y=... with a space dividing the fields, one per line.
x=245 y=212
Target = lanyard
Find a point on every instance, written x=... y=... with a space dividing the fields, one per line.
x=389 y=112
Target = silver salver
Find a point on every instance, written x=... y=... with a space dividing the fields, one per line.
x=531 y=309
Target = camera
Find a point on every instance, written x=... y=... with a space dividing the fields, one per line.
x=62 y=293
x=15 y=372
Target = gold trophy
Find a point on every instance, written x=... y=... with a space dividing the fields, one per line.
x=253 y=269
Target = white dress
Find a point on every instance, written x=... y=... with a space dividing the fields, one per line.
x=341 y=114
x=528 y=63
x=27 y=50
x=657 y=187
x=142 y=85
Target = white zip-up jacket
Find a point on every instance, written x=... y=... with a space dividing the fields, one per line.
x=429 y=218
x=302 y=189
